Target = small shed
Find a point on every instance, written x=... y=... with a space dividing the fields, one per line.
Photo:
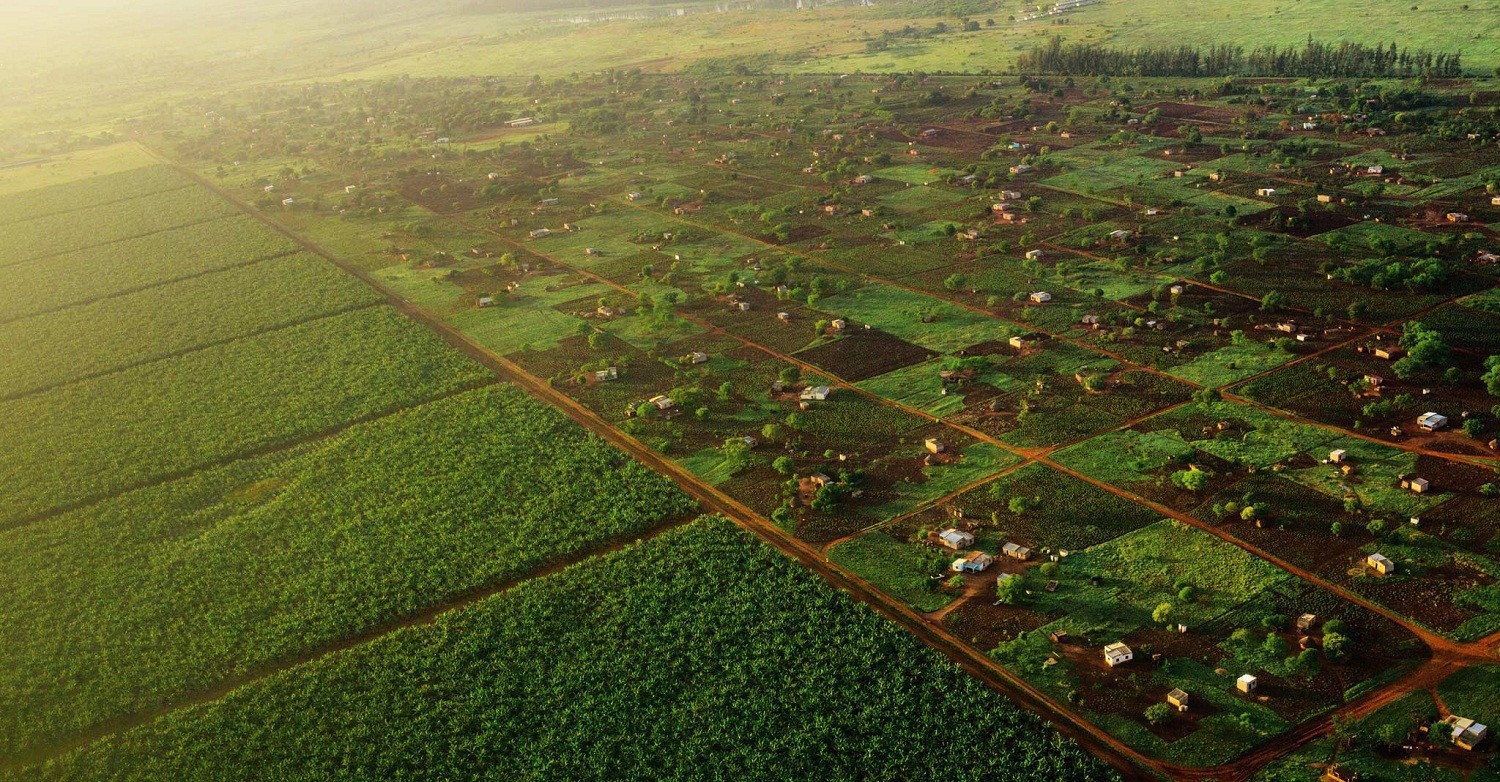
x=820 y=480
x=1338 y=455
x=1467 y=734
x=1306 y=621
x=814 y=394
x=1060 y=636
x=1178 y=698
x=698 y=357
x=1033 y=255
x=1117 y=653
x=1016 y=551
x=606 y=374
x=955 y=539
x=1380 y=564
x=839 y=324
x=1432 y=422
x=1419 y=485
x=1040 y=297
x=1246 y=683
x=662 y=402
x=934 y=445
x=784 y=317
x=972 y=562
x=486 y=301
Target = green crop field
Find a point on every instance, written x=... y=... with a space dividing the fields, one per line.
x=86 y=440
x=722 y=663
x=222 y=572
x=83 y=276
x=56 y=347
x=111 y=221
x=1123 y=282
x=88 y=193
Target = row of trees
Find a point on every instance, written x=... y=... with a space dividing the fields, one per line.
x=1314 y=58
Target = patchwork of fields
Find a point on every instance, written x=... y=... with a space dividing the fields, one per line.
x=1165 y=406
x=231 y=461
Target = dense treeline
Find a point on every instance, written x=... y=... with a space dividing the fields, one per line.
x=1314 y=58
x=701 y=654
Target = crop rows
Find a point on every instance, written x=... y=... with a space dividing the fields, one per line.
x=47 y=284
x=114 y=333
x=85 y=193
x=90 y=439
x=66 y=231
x=207 y=577
x=700 y=654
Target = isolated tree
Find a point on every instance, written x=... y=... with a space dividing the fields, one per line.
x=1009 y=590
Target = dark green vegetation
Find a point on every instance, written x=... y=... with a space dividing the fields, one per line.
x=128 y=265
x=86 y=440
x=700 y=654
x=870 y=285
x=161 y=592
x=1315 y=58
x=57 y=347
x=1403 y=740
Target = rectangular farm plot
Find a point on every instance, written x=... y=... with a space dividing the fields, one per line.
x=908 y=572
x=97 y=225
x=114 y=333
x=747 y=611
x=930 y=322
x=74 y=278
x=87 y=193
x=1039 y=507
x=910 y=200
x=961 y=462
x=1209 y=610
x=916 y=173
x=87 y=440
x=82 y=165
x=1051 y=392
x=264 y=559
x=1353 y=388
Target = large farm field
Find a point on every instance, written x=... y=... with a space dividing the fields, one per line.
x=749 y=645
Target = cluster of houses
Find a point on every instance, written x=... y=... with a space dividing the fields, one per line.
x=975 y=561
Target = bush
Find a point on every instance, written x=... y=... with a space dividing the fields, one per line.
x=1159 y=713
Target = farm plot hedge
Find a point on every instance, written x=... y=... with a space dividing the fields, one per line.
x=91 y=192
x=68 y=231
x=67 y=280
x=173 y=588
x=740 y=665
x=89 y=439
x=114 y=333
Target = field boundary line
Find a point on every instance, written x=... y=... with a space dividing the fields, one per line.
x=419 y=618
x=97 y=245
x=3 y=223
x=142 y=288
x=259 y=332
x=250 y=453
